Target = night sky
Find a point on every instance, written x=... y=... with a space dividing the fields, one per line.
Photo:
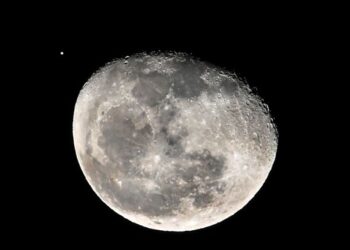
x=275 y=61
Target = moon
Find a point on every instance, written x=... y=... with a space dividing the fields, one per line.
x=171 y=142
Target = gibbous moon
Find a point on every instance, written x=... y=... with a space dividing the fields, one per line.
x=171 y=142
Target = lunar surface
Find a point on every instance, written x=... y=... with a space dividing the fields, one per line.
x=171 y=142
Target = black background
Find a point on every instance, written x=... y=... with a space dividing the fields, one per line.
x=276 y=58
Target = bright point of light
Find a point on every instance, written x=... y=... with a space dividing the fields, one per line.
x=61 y=53
x=156 y=158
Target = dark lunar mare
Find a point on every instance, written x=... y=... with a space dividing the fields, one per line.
x=151 y=88
x=121 y=139
x=187 y=81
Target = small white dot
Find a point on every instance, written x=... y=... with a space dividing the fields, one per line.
x=156 y=158
x=61 y=53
